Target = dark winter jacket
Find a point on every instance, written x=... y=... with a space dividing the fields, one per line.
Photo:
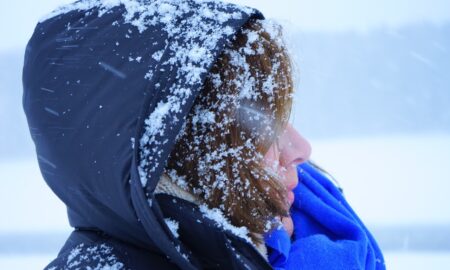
x=107 y=86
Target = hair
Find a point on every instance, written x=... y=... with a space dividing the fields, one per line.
x=243 y=106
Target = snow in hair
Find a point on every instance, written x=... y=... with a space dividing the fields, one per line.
x=218 y=152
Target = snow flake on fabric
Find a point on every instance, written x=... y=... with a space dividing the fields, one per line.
x=95 y=257
x=218 y=217
x=173 y=226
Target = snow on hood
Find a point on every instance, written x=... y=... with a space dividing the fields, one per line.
x=97 y=75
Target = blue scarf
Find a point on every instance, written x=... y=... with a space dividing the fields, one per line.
x=327 y=232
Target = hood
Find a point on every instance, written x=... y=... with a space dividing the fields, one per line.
x=107 y=86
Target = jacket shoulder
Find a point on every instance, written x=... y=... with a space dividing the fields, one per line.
x=89 y=256
x=92 y=250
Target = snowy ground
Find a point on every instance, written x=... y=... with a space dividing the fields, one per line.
x=392 y=182
x=20 y=262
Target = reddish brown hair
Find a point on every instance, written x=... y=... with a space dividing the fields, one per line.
x=237 y=181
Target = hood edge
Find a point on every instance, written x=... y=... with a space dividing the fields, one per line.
x=148 y=214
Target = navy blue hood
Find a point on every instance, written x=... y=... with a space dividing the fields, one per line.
x=107 y=86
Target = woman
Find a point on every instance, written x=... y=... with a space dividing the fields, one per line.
x=161 y=125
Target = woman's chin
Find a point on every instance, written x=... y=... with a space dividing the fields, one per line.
x=290 y=197
x=288 y=225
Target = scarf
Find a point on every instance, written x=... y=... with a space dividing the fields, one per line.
x=327 y=232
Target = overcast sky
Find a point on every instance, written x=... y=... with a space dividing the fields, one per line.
x=18 y=18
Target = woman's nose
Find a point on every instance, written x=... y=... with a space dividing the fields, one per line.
x=294 y=149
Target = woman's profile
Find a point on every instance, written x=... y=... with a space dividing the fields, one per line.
x=164 y=127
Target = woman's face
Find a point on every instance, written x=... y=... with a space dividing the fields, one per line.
x=283 y=158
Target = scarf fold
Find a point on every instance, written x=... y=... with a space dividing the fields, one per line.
x=327 y=232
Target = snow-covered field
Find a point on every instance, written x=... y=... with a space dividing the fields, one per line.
x=20 y=262
x=390 y=181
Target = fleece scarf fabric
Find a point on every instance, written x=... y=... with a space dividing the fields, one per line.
x=327 y=232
